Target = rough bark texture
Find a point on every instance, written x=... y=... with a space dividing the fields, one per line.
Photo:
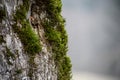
x=14 y=61
x=33 y=41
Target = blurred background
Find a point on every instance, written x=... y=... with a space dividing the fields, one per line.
x=93 y=28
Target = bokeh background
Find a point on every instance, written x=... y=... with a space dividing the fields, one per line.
x=93 y=28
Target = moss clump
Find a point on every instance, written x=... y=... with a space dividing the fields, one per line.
x=65 y=70
x=28 y=37
x=58 y=40
x=26 y=4
x=20 y=13
x=51 y=34
x=57 y=37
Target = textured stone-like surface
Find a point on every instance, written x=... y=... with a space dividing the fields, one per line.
x=16 y=66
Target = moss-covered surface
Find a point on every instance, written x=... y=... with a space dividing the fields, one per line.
x=29 y=39
x=58 y=41
x=57 y=36
x=54 y=31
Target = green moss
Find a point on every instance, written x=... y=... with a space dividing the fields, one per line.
x=52 y=34
x=28 y=37
x=54 y=6
x=65 y=69
x=26 y=4
x=20 y=13
x=54 y=31
x=58 y=40
x=57 y=37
